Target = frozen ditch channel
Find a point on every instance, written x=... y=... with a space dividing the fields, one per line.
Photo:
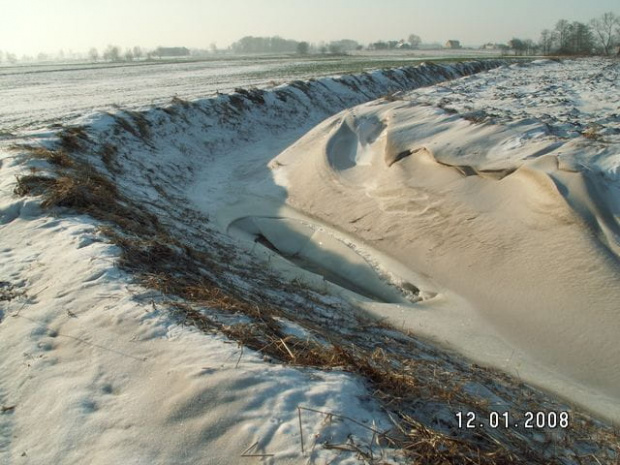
x=321 y=251
x=212 y=156
x=200 y=168
x=233 y=137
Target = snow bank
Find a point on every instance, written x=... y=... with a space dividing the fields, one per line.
x=520 y=252
x=94 y=369
x=438 y=214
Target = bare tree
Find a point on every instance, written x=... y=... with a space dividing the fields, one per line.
x=335 y=48
x=503 y=48
x=128 y=55
x=562 y=34
x=112 y=53
x=302 y=48
x=346 y=45
x=546 y=41
x=581 y=40
x=531 y=47
x=414 y=40
x=93 y=54
x=137 y=52
x=606 y=30
x=519 y=46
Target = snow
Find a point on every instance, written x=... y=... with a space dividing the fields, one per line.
x=38 y=95
x=504 y=214
x=97 y=372
x=97 y=369
x=563 y=100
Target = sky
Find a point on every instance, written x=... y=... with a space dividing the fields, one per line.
x=29 y=27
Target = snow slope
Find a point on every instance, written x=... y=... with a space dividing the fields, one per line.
x=531 y=247
x=94 y=371
x=100 y=368
x=38 y=95
x=94 y=367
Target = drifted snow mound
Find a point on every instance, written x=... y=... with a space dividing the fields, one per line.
x=498 y=215
x=320 y=251
x=215 y=151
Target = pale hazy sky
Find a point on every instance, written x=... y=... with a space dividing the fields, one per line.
x=32 y=26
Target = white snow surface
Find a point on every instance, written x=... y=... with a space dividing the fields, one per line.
x=96 y=371
x=37 y=95
x=505 y=203
x=94 y=368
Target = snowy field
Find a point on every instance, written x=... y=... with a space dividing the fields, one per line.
x=43 y=94
x=326 y=271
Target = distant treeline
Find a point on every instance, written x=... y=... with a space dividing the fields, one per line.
x=114 y=53
x=276 y=44
x=600 y=36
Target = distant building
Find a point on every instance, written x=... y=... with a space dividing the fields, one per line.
x=490 y=46
x=453 y=44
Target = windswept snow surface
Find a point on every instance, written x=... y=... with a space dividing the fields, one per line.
x=94 y=369
x=501 y=191
x=37 y=95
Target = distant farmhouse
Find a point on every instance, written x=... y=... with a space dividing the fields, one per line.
x=453 y=44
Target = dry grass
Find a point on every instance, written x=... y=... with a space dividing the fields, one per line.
x=8 y=292
x=394 y=96
x=85 y=190
x=55 y=157
x=254 y=95
x=82 y=192
x=73 y=139
x=109 y=153
x=186 y=104
x=444 y=104
x=427 y=446
x=170 y=111
x=476 y=116
x=237 y=102
x=123 y=124
x=34 y=185
x=142 y=124
x=592 y=132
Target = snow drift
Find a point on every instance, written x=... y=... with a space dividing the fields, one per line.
x=498 y=240
x=94 y=370
x=529 y=245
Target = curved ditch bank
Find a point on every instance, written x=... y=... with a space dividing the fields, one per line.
x=156 y=156
x=153 y=157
